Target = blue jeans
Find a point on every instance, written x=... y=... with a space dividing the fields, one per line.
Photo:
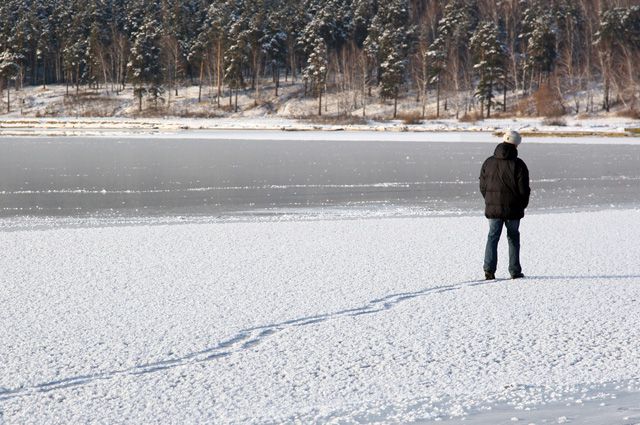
x=491 y=251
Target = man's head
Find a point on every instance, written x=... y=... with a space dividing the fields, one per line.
x=512 y=137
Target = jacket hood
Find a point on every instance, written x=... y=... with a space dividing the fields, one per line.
x=506 y=151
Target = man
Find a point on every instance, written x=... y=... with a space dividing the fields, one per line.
x=504 y=184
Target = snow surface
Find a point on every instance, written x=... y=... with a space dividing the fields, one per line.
x=338 y=321
x=266 y=126
x=318 y=133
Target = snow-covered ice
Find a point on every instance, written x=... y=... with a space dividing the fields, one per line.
x=340 y=321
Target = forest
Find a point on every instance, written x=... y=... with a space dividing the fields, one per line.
x=464 y=55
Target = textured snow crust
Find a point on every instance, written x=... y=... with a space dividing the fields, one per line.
x=343 y=321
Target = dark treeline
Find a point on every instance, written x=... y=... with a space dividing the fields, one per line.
x=464 y=53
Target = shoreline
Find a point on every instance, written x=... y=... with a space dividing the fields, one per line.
x=192 y=127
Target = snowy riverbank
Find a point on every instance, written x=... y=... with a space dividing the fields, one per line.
x=610 y=127
x=320 y=321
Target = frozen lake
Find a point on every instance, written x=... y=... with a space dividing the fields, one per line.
x=202 y=293
x=166 y=177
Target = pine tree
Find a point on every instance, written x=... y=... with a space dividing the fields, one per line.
x=214 y=35
x=75 y=50
x=235 y=56
x=437 y=54
x=617 y=35
x=316 y=70
x=571 y=59
x=274 y=40
x=311 y=42
x=449 y=49
x=145 y=65
x=253 y=19
x=542 y=48
x=490 y=56
x=91 y=41
x=186 y=19
x=20 y=39
x=45 y=42
x=293 y=18
x=99 y=37
x=314 y=47
x=9 y=70
x=538 y=37
x=363 y=13
x=389 y=43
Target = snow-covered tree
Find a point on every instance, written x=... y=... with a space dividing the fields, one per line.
x=214 y=37
x=437 y=54
x=538 y=37
x=389 y=42
x=618 y=36
x=253 y=22
x=291 y=15
x=274 y=40
x=99 y=37
x=315 y=73
x=235 y=56
x=563 y=43
x=145 y=66
x=9 y=70
x=490 y=56
x=449 y=50
x=363 y=13
x=542 y=48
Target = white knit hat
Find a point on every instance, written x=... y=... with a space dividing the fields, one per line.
x=512 y=137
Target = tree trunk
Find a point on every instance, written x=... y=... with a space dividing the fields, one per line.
x=292 y=64
x=319 y=101
x=395 y=104
x=254 y=69
x=200 y=81
x=364 y=93
x=44 y=73
x=236 y=107
x=326 y=104
x=175 y=69
x=606 y=62
x=218 y=69
x=424 y=100
x=8 y=96
x=438 y=98
x=489 y=99
x=607 y=89
x=504 y=97
x=255 y=79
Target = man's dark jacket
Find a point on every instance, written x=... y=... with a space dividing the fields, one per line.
x=504 y=184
